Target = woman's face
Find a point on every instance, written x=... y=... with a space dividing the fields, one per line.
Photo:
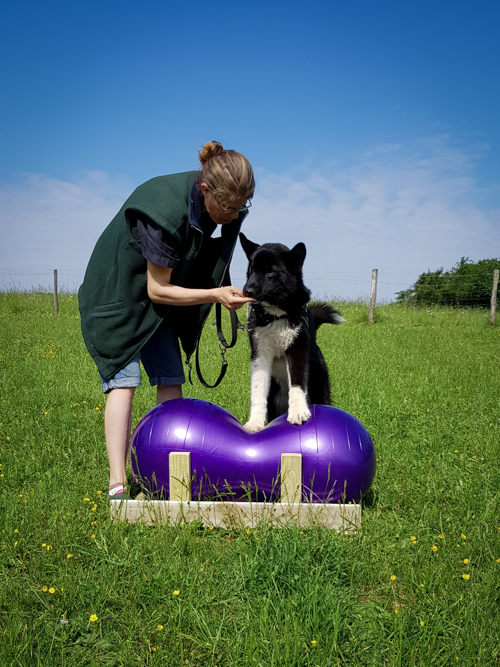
x=224 y=212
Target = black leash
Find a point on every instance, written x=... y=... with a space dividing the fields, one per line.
x=223 y=346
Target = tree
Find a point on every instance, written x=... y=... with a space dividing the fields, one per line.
x=467 y=284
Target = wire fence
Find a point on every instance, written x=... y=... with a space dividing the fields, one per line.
x=337 y=286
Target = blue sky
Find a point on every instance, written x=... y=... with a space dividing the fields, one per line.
x=373 y=127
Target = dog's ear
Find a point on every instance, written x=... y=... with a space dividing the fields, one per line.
x=297 y=255
x=248 y=246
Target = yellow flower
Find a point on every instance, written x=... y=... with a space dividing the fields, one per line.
x=16 y=531
x=15 y=544
x=464 y=537
x=44 y=589
x=413 y=538
x=52 y=590
x=93 y=618
x=313 y=642
x=441 y=536
x=434 y=548
x=69 y=556
x=422 y=623
x=86 y=500
x=393 y=577
x=176 y=592
x=92 y=537
x=43 y=544
x=465 y=576
x=466 y=561
x=396 y=611
x=159 y=627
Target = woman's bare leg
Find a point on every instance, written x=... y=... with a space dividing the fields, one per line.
x=117 y=425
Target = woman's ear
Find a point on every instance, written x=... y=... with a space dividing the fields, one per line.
x=204 y=189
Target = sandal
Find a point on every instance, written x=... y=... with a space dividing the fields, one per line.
x=118 y=492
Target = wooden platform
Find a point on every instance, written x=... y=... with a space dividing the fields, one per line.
x=180 y=508
x=231 y=515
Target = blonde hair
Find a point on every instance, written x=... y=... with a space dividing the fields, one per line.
x=228 y=174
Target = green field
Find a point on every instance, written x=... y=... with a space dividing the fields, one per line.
x=419 y=584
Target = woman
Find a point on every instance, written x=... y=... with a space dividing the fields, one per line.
x=151 y=279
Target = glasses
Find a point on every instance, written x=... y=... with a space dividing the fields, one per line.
x=230 y=209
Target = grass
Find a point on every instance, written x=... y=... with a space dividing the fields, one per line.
x=418 y=584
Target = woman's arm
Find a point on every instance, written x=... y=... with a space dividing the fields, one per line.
x=161 y=291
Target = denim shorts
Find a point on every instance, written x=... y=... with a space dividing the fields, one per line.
x=162 y=361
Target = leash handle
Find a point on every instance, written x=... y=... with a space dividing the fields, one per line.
x=223 y=346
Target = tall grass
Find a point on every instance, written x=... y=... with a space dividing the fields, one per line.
x=418 y=584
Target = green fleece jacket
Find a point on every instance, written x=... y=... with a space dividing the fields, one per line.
x=117 y=316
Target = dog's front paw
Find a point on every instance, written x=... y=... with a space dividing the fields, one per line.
x=299 y=417
x=254 y=425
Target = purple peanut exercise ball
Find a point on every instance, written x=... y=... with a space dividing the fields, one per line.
x=338 y=457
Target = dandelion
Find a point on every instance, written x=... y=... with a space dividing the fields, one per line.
x=16 y=531
x=52 y=590
x=93 y=618
x=86 y=500
x=393 y=577
x=159 y=627
x=463 y=537
x=69 y=556
x=44 y=589
x=396 y=611
x=422 y=623
x=434 y=548
x=43 y=545
x=15 y=544
x=465 y=576
x=313 y=642
x=176 y=592
x=466 y=561
x=441 y=536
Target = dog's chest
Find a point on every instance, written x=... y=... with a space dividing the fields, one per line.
x=275 y=338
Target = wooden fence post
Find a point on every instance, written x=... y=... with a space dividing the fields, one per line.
x=493 y=311
x=373 y=296
x=56 y=298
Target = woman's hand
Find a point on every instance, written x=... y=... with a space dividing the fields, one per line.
x=232 y=297
x=160 y=290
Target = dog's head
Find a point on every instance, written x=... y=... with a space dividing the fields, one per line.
x=274 y=273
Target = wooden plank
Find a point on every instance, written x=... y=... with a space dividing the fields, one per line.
x=291 y=478
x=231 y=515
x=179 y=470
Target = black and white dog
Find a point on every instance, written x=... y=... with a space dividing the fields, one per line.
x=288 y=370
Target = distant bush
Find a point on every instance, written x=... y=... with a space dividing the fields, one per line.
x=467 y=284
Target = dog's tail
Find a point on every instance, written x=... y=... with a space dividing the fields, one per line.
x=323 y=313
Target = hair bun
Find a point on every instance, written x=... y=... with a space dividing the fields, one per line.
x=210 y=149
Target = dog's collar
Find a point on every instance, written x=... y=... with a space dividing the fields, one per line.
x=259 y=317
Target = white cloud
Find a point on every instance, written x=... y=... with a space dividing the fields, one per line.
x=51 y=224
x=400 y=209
x=403 y=209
